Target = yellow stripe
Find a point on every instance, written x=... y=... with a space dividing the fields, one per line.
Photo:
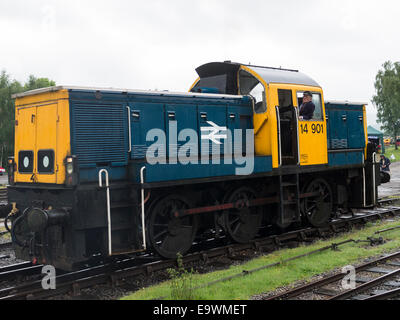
x=194 y=84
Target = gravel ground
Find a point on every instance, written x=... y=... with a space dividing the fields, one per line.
x=7 y=251
x=393 y=187
x=10 y=257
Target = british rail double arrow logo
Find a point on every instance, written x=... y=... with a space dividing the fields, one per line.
x=215 y=133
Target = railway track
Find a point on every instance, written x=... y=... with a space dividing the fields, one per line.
x=18 y=269
x=113 y=273
x=376 y=280
x=5 y=245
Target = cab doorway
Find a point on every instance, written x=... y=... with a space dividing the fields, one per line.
x=288 y=122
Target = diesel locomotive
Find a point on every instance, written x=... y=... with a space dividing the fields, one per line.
x=103 y=172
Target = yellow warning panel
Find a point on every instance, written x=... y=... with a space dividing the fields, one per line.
x=42 y=127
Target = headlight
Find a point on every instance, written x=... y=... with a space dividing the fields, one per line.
x=11 y=169
x=71 y=171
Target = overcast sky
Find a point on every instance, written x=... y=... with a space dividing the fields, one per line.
x=157 y=44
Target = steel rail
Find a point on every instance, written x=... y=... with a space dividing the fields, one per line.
x=113 y=272
x=366 y=286
x=25 y=269
x=15 y=266
x=6 y=245
x=385 y=295
x=26 y=289
x=327 y=280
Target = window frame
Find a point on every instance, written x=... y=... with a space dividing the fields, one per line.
x=264 y=97
x=291 y=96
x=322 y=106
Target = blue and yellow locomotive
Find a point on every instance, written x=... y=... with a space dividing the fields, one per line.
x=104 y=172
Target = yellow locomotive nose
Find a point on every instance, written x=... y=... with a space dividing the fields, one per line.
x=42 y=136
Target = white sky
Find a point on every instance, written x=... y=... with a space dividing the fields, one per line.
x=157 y=44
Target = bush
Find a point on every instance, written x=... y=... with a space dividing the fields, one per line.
x=181 y=282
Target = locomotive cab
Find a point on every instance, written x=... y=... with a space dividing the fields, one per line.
x=277 y=96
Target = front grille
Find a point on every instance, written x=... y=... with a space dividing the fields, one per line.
x=100 y=134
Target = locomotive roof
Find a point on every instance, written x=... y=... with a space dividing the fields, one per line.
x=130 y=91
x=268 y=74
x=271 y=75
x=349 y=103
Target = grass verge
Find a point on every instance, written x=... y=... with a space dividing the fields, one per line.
x=245 y=287
x=391 y=150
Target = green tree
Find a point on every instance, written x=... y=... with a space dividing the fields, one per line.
x=387 y=98
x=8 y=87
x=37 y=83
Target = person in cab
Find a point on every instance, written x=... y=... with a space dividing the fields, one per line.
x=307 y=108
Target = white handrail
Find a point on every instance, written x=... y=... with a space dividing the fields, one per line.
x=142 y=195
x=129 y=129
x=108 y=207
x=374 y=175
x=364 y=192
x=296 y=111
x=278 y=119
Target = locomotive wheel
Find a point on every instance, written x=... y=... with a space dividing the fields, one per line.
x=169 y=235
x=318 y=209
x=242 y=224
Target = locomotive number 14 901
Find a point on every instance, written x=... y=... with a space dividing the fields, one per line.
x=315 y=128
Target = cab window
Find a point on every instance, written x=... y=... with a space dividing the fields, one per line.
x=249 y=85
x=316 y=99
x=285 y=98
